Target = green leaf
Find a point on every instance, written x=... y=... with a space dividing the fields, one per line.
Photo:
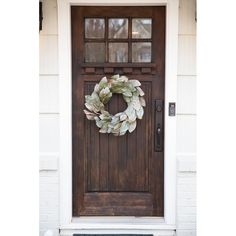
x=127 y=99
x=105 y=117
x=126 y=92
x=122 y=79
x=103 y=83
x=135 y=82
x=105 y=95
x=117 y=127
x=115 y=77
x=99 y=123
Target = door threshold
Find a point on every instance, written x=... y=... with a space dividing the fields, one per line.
x=122 y=225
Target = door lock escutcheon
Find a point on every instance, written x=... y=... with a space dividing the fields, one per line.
x=158 y=147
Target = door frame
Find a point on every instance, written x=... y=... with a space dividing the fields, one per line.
x=67 y=222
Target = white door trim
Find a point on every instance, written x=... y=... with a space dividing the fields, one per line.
x=65 y=91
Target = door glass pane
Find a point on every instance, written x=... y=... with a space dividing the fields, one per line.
x=118 y=28
x=94 y=28
x=141 y=52
x=95 y=52
x=141 y=28
x=118 y=52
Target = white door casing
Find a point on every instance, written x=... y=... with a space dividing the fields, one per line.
x=67 y=222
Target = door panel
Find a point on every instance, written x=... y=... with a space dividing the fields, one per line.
x=112 y=175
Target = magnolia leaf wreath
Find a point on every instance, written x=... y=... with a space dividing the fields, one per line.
x=121 y=122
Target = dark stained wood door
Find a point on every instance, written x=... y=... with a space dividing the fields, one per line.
x=118 y=176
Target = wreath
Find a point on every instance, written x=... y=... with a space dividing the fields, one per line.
x=121 y=122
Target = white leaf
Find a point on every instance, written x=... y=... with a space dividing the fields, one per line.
x=142 y=101
x=132 y=116
x=115 y=77
x=135 y=103
x=96 y=88
x=103 y=130
x=123 y=117
x=89 y=115
x=99 y=123
x=140 y=113
x=124 y=126
x=132 y=126
x=118 y=114
x=141 y=93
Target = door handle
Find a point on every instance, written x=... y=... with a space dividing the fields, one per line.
x=158 y=147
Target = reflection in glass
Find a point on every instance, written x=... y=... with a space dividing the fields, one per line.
x=141 y=28
x=118 y=52
x=94 y=28
x=95 y=52
x=141 y=52
x=118 y=28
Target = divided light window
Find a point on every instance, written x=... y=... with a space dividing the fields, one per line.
x=118 y=40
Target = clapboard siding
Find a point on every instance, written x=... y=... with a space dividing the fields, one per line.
x=49 y=133
x=186 y=120
x=49 y=120
x=48 y=94
x=187 y=24
x=186 y=96
x=187 y=55
x=186 y=134
x=48 y=60
x=49 y=18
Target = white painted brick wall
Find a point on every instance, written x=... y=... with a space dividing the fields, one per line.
x=186 y=121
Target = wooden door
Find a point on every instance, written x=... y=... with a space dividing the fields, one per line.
x=118 y=176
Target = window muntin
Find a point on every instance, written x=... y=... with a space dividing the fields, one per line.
x=118 y=40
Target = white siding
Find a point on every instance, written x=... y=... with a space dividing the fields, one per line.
x=49 y=120
x=48 y=60
x=186 y=97
x=186 y=120
x=186 y=134
x=48 y=94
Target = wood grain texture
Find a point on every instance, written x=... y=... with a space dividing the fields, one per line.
x=120 y=176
